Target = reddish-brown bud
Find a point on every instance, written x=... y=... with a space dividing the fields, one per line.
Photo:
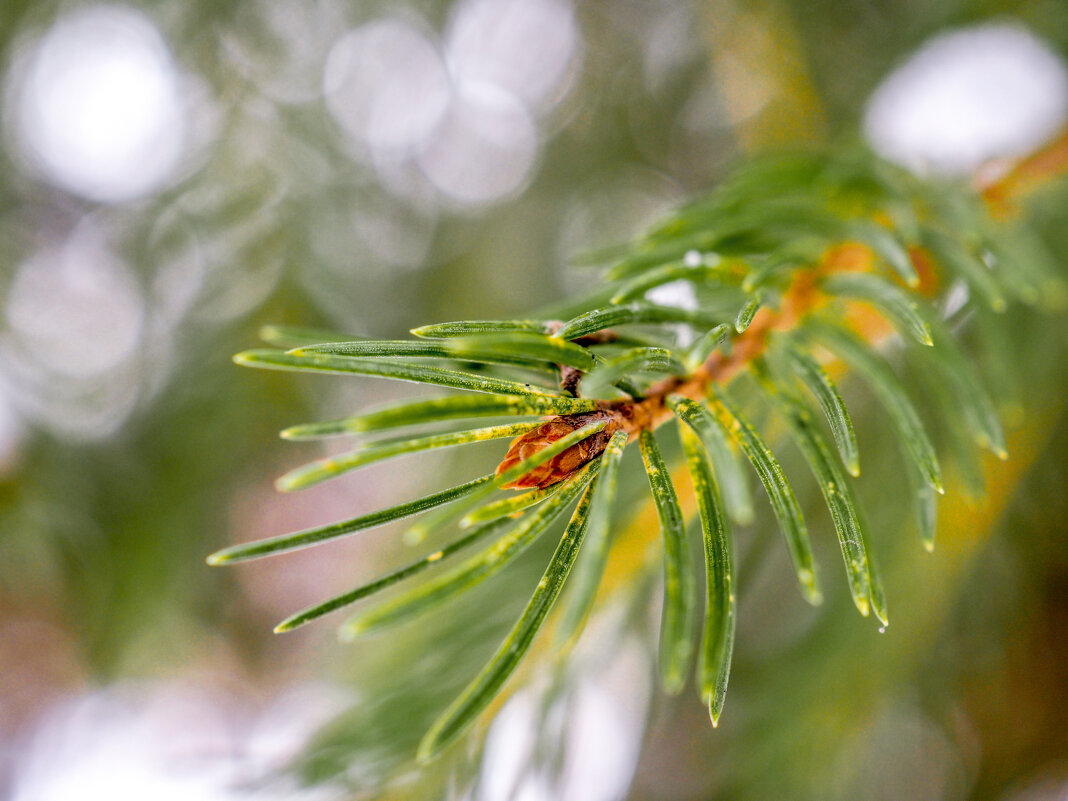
x=563 y=464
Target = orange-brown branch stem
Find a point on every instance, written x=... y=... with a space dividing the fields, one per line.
x=1001 y=189
x=650 y=411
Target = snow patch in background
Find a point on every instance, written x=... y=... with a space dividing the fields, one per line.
x=992 y=91
x=596 y=726
x=173 y=741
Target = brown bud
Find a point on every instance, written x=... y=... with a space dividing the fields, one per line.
x=563 y=464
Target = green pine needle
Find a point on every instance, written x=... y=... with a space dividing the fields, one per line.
x=636 y=287
x=955 y=258
x=518 y=348
x=897 y=305
x=889 y=248
x=464 y=328
x=314 y=536
x=434 y=410
x=720 y=603
x=629 y=363
x=726 y=463
x=780 y=493
x=333 y=466
x=473 y=571
x=508 y=506
x=591 y=564
x=401 y=371
x=826 y=393
x=462 y=712
x=837 y=491
x=632 y=313
x=388 y=580
x=747 y=313
x=886 y=386
x=957 y=373
x=676 y=627
x=716 y=338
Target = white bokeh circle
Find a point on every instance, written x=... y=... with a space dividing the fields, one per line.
x=484 y=149
x=526 y=47
x=97 y=107
x=385 y=84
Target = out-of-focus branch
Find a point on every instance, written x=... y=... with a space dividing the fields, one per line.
x=1002 y=188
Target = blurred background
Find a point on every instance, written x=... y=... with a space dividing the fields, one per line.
x=173 y=175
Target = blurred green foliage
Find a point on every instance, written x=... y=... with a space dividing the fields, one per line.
x=271 y=219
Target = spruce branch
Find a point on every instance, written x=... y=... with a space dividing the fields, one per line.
x=801 y=264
